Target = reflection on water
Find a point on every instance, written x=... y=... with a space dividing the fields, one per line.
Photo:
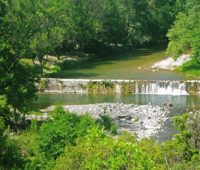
x=135 y=65
x=182 y=102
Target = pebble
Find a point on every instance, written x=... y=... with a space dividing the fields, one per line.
x=151 y=118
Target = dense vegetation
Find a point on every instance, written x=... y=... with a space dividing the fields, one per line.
x=184 y=36
x=34 y=30
x=68 y=141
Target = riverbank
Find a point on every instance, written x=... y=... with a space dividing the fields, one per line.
x=184 y=63
x=191 y=69
x=144 y=120
x=132 y=65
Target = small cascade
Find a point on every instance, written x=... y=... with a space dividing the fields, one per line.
x=161 y=87
x=136 y=88
x=158 y=87
x=118 y=89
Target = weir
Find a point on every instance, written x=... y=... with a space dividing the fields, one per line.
x=101 y=86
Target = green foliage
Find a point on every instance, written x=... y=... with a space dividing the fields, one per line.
x=55 y=134
x=179 y=35
x=113 y=129
x=69 y=141
x=34 y=29
x=106 y=121
x=185 y=33
x=192 y=126
x=154 y=151
x=43 y=83
x=179 y=152
x=41 y=28
x=137 y=119
x=16 y=83
x=10 y=155
x=97 y=151
x=44 y=27
x=28 y=143
x=191 y=68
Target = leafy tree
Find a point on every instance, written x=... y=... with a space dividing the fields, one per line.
x=36 y=28
x=184 y=34
x=16 y=83
x=73 y=142
x=55 y=134
x=10 y=155
x=28 y=30
x=179 y=35
x=180 y=153
x=98 y=151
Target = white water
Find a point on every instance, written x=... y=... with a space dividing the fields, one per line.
x=136 y=88
x=118 y=89
x=158 y=87
x=171 y=64
x=162 y=88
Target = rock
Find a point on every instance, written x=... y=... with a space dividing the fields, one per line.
x=168 y=104
x=148 y=116
x=171 y=64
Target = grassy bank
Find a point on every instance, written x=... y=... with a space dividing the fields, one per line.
x=191 y=69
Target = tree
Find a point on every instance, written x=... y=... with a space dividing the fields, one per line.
x=97 y=151
x=16 y=83
x=10 y=155
x=185 y=35
x=16 y=78
x=35 y=28
x=55 y=134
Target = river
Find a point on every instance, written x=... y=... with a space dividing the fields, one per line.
x=135 y=65
x=132 y=66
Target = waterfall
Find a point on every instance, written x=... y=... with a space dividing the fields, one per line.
x=161 y=88
x=136 y=88
x=158 y=87
x=118 y=89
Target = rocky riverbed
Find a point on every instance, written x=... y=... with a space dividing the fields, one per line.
x=144 y=120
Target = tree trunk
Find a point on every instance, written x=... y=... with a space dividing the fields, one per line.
x=40 y=59
x=33 y=61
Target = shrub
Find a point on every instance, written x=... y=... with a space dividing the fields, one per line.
x=98 y=151
x=106 y=121
x=114 y=129
x=10 y=155
x=55 y=134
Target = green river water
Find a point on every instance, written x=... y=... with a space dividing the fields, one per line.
x=135 y=65
x=181 y=102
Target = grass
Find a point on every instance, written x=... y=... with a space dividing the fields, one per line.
x=191 y=68
x=53 y=65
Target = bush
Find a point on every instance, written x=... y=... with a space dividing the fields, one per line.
x=10 y=155
x=106 y=122
x=55 y=134
x=68 y=141
x=114 y=129
x=98 y=151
